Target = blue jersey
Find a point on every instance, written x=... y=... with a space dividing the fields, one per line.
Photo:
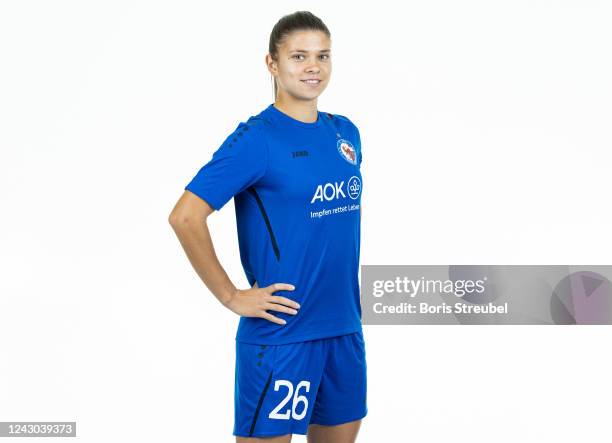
x=297 y=193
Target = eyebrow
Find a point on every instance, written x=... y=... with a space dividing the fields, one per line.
x=303 y=50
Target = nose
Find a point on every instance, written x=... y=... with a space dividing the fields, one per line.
x=313 y=67
x=313 y=70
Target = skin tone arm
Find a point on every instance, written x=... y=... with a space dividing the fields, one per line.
x=188 y=220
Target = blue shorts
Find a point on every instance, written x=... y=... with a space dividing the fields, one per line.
x=281 y=389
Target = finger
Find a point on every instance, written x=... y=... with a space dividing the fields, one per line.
x=280 y=287
x=280 y=308
x=273 y=318
x=283 y=301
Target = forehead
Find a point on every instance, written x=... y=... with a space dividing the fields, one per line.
x=306 y=40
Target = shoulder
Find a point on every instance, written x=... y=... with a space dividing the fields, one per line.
x=340 y=120
x=254 y=123
x=247 y=132
x=345 y=126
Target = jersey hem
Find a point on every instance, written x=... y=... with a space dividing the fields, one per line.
x=299 y=338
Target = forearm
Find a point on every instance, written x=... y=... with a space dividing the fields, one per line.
x=196 y=241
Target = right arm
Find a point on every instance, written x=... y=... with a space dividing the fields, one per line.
x=189 y=222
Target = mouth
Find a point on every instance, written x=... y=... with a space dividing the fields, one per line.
x=314 y=81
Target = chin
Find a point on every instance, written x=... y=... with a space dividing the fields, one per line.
x=312 y=95
x=302 y=96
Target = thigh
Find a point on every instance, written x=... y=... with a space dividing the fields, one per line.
x=279 y=439
x=342 y=395
x=344 y=433
x=276 y=387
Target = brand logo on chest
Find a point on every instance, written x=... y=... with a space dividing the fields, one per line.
x=296 y=154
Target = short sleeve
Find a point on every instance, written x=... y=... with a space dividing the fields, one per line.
x=240 y=162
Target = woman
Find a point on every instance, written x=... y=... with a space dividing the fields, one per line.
x=293 y=172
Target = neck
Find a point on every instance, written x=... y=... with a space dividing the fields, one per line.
x=302 y=110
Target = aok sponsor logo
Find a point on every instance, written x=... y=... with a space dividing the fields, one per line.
x=338 y=190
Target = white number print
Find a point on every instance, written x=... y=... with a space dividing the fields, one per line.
x=297 y=399
x=274 y=413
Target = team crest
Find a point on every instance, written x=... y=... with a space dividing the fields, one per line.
x=347 y=151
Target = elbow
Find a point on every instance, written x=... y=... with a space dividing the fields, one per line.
x=178 y=220
x=173 y=219
x=189 y=211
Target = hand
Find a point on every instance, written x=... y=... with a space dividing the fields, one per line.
x=255 y=301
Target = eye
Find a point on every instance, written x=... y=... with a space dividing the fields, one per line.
x=326 y=56
x=298 y=55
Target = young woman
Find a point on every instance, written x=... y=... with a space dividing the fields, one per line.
x=294 y=174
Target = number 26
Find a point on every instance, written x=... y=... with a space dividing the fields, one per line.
x=297 y=399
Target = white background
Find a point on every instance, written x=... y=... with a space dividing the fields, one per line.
x=485 y=129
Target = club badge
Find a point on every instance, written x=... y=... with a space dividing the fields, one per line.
x=347 y=151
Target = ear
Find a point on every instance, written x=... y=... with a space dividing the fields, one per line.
x=271 y=64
